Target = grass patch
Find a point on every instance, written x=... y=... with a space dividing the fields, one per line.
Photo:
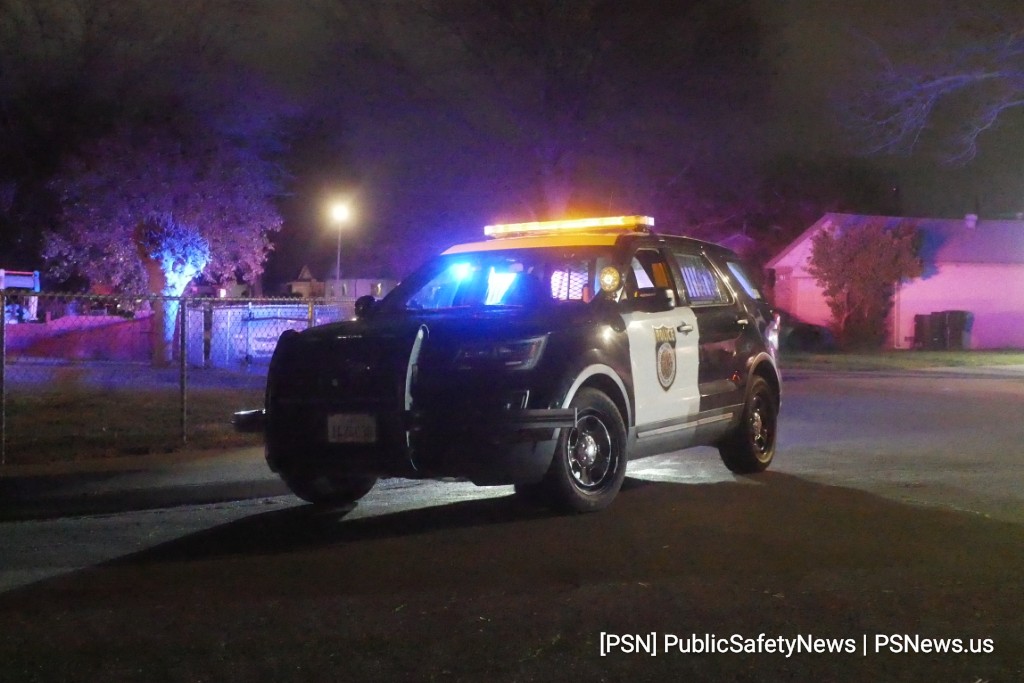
x=73 y=417
x=75 y=422
x=901 y=360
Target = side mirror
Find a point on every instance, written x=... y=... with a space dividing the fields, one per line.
x=364 y=305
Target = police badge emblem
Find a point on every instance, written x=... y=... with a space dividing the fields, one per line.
x=665 y=355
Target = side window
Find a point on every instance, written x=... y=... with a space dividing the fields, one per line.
x=702 y=282
x=744 y=280
x=570 y=281
x=648 y=272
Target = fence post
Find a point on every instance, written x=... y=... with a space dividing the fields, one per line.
x=311 y=319
x=183 y=365
x=3 y=377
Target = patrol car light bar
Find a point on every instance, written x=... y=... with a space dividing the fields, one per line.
x=635 y=223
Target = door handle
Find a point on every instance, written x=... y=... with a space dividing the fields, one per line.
x=742 y=321
x=685 y=328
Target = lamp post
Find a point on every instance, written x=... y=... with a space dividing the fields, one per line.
x=339 y=216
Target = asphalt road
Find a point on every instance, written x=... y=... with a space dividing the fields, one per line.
x=942 y=439
x=950 y=439
x=895 y=504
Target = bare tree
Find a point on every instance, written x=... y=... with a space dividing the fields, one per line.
x=952 y=77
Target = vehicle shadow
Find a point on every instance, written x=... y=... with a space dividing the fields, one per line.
x=308 y=527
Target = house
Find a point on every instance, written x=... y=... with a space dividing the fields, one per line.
x=305 y=285
x=971 y=294
x=308 y=287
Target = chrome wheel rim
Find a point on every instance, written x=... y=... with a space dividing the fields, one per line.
x=760 y=427
x=590 y=452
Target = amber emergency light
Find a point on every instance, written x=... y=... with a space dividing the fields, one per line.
x=632 y=223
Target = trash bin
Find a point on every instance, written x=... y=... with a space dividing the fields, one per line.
x=937 y=338
x=956 y=329
x=922 y=331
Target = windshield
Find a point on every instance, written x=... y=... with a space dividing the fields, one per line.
x=518 y=278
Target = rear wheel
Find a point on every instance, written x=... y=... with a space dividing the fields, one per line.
x=751 y=447
x=329 y=490
x=590 y=461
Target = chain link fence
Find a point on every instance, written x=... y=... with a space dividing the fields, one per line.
x=85 y=376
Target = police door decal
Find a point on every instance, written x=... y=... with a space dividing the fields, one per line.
x=665 y=355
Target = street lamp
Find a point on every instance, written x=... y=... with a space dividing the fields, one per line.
x=340 y=214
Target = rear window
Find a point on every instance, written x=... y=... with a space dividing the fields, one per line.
x=703 y=285
x=745 y=282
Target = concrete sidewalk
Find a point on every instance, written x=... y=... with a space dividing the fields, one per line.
x=137 y=483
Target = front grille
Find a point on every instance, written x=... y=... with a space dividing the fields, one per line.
x=336 y=371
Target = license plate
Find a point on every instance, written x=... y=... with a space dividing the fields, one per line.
x=351 y=428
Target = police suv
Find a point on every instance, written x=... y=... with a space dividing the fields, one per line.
x=545 y=356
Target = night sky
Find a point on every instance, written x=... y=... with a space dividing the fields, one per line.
x=810 y=51
x=685 y=115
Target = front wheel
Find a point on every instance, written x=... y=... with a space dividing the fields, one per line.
x=751 y=447
x=328 y=490
x=590 y=461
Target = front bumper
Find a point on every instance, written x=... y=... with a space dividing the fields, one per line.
x=494 y=447
x=507 y=447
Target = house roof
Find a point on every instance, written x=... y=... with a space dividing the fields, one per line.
x=740 y=242
x=944 y=240
x=305 y=275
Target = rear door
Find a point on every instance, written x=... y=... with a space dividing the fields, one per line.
x=722 y=322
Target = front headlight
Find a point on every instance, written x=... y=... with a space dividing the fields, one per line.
x=519 y=354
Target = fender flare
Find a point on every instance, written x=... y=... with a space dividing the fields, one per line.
x=761 y=360
x=602 y=370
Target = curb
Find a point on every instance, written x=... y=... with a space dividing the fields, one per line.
x=976 y=372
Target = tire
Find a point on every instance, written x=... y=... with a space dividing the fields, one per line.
x=751 y=446
x=590 y=461
x=328 y=490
